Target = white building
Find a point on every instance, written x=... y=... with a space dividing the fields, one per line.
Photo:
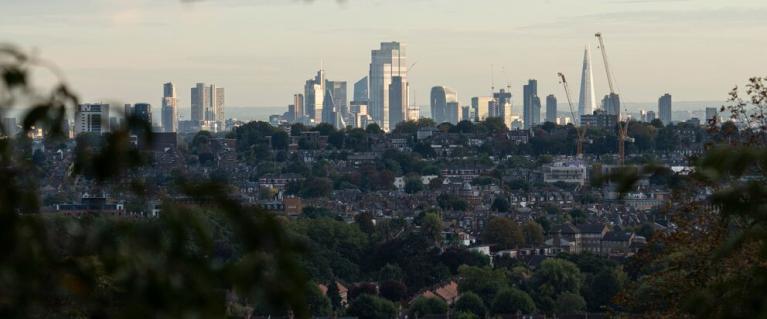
x=92 y=118
x=568 y=172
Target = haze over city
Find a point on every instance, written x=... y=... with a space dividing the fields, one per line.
x=263 y=51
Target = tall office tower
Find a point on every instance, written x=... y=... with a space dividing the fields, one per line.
x=291 y=114
x=664 y=109
x=551 y=108
x=712 y=115
x=480 y=105
x=92 y=118
x=466 y=113
x=413 y=113
x=611 y=103
x=314 y=96
x=398 y=100
x=169 y=108
x=586 y=102
x=361 y=90
x=440 y=98
x=298 y=102
x=328 y=108
x=531 y=104
x=390 y=60
x=502 y=106
x=10 y=127
x=218 y=106
x=650 y=116
x=339 y=96
x=143 y=111
x=199 y=100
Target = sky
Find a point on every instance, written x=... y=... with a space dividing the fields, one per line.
x=262 y=51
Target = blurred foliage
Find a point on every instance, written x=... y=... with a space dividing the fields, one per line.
x=119 y=267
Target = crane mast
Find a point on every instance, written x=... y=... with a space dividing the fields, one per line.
x=579 y=129
x=622 y=125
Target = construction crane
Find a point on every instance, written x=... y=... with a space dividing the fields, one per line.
x=581 y=130
x=623 y=126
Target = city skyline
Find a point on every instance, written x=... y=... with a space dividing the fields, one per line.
x=525 y=48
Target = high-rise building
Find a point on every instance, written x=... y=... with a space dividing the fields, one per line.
x=291 y=114
x=664 y=109
x=361 y=90
x=199 y=99
x=611 y=104
x=169 y=108
x=218 y=106
x=466 y=113
x=388 y=61
x=712 y=115
x=586 y=102
x=314 y=96
x=481 y=107
x=339 y=96
x=92 y=118
x=441 y=97
x=551 y=108
x=502 y=106
x=531 y=104
x=143 y=111
x=650 y=116
x=328 y=108
x=398 y=100
x=298 y=102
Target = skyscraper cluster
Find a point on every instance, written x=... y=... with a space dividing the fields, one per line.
x=207 y=102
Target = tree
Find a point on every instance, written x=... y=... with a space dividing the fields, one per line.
x=503 y=232
x=370 y=307
x=365 y=222
x=431 y=226
x=413 y=185
x=569 y=303
x=334 y=295
x=500 y=204
x=533 y=234
x=393 y=290
x=603 y=287
x=471 y=303
x=512 y=301
x=423 y=306
x=483 y=281
x=373 y=129
x=554 y=277
x=319 y=304
x=280 y=140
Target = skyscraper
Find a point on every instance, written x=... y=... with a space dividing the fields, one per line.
x=92 y=118
x=361 y=90
x=390 y=60
x=169 y=108
x=198 y=101
x=314 y=96
x=551 y=108
x=611 y=103
x=339 y=96
x=328 y=108
x=531 y=104
x=218 y=106
x=143 y=111
x=712 y=115
x=664 y=109
x=398 y=100
x=481 y=107
x=441 y=97
x=298 y=102
x=502 y=106
x=586 y=102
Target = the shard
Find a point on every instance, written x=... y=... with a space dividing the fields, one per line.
x=586 y=102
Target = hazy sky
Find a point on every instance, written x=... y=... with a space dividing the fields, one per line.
x=262 y=51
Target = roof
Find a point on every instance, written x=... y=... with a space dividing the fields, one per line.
x=617 y=235
x=591 y=228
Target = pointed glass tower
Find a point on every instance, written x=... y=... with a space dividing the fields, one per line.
x=586 y=102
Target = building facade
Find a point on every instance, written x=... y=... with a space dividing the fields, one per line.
x=551 y=108
x=387 y=61
x=664 y=109
x=169 y=109
x=92 y=118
